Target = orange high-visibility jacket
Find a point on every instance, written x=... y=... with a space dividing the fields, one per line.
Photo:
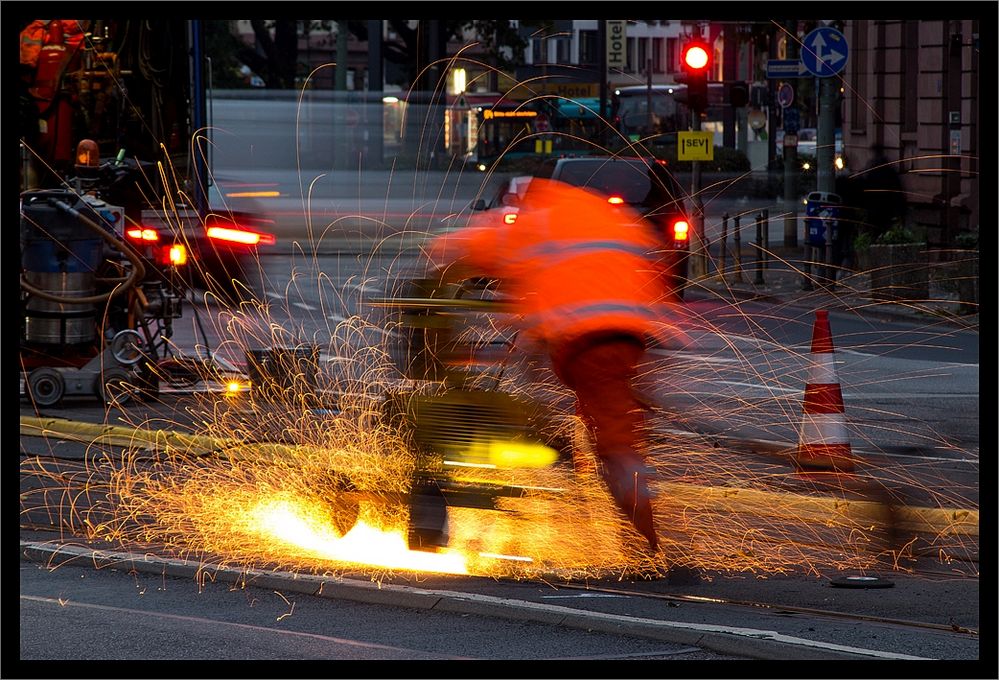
x=576 y=263
x=41 y=32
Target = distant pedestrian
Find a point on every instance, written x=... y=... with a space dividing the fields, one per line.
x=882 y=196
x=850 y=219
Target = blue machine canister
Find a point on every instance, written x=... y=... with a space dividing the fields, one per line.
x=59 y=257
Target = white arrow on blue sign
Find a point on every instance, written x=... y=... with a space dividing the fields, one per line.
x=785 y=68
x=824 y=52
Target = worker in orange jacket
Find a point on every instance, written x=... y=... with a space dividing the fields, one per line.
x=580 y=271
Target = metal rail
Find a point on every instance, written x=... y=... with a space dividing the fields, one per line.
x=952 y=628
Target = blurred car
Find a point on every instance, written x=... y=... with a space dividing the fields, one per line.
x=506 y=200
x=220 y=247
x=645 y=185
x=807 y=146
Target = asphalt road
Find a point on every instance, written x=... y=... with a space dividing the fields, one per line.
x=169 y=609
x=76 y=612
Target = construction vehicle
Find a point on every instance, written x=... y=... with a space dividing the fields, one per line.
x=468 y=422
x=110 y=244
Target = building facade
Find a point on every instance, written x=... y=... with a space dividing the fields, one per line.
x=913 y=89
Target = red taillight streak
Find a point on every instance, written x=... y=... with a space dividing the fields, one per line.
x=143 y=234
x=249 y=238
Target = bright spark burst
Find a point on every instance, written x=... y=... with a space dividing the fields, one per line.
x=275 y=492
x=366 y=545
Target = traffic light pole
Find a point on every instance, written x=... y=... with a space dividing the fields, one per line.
x=791 y=158
x=602 y=59
x=825 y=153
x=699 y=263
x=695 y=62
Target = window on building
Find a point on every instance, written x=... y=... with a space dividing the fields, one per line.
x=657 y=56
x=563 y=47
x=539 y=51
x=909 y=108
x=588 y=48
x=643 y=54
x=672 y=58
x=629 y=65
x=858 y=102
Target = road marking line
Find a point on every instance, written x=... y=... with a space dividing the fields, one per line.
x=635 y=655
x=693 y=356
x=769 y=388
x=217 y=622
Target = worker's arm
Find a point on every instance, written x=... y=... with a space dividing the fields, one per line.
x=462 y=255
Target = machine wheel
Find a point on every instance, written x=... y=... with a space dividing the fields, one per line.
x=427 y=518
x=115 y=387
x=126 y=346
x=344 y=514
x=45 y=386
x=338 y=494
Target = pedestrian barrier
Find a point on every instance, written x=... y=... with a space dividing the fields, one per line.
x=823 y=443
x=737 y=251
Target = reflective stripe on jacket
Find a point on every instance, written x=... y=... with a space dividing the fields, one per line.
x=579 y=264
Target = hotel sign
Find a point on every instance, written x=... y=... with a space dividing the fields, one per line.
x=617 y=44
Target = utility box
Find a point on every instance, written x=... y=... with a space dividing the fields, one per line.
x=822 y=211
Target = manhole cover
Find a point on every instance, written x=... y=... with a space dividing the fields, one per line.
x=861 y=582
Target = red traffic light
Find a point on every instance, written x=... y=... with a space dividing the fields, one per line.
x=696 y=57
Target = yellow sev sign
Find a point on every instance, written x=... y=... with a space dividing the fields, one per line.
x=695 y=146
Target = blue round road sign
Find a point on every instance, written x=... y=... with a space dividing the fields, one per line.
x=824 y=52
x=785 y=95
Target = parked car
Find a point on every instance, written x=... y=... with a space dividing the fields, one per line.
x=645 y=185
x=506 y=199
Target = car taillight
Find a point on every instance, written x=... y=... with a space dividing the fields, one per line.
x=615 y=200
x=142 y=235
x=243 y=236
x=174 y=255
x=680 y=230
x=509 y=218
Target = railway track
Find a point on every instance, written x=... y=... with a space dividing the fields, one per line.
x=780 y=608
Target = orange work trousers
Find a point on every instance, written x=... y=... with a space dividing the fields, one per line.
x=600 y=369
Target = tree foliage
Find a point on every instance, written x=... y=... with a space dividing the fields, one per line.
x=278 y=66
x=223 y=45
x=275 y=56
x=411 y=50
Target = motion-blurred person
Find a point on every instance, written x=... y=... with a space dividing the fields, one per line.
x=578 y=268
x=882 y=195
x=851 y=217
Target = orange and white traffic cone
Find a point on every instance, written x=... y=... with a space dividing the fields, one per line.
x=823 y=443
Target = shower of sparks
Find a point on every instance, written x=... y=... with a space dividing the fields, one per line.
x=312 y=479
x=284 y=522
